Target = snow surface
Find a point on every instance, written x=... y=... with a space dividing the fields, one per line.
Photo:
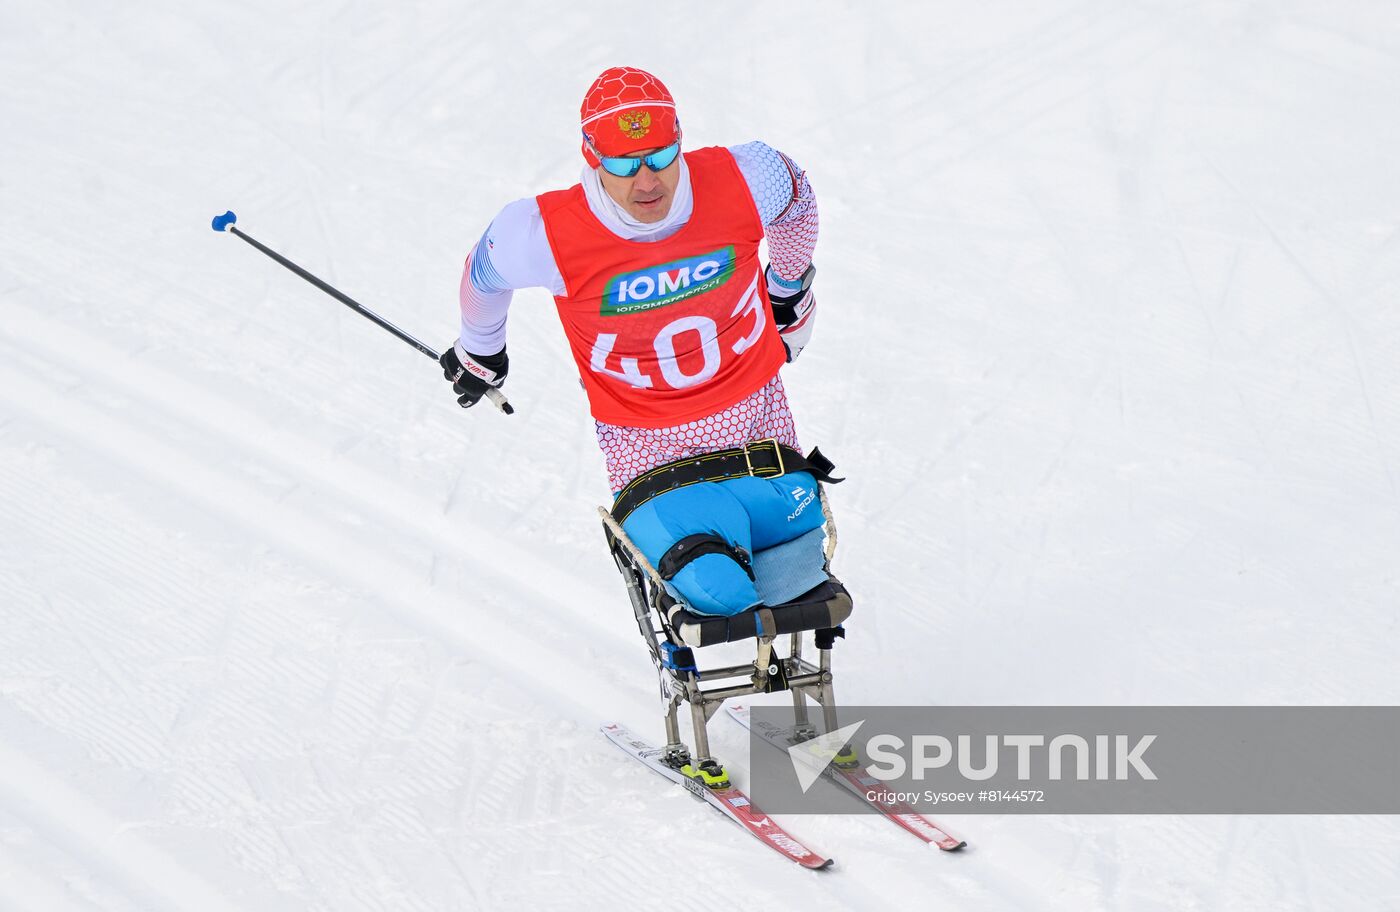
x=1109 y=349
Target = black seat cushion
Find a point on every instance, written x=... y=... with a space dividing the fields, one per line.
x=822 y=607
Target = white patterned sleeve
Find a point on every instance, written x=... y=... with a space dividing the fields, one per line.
x=513 y=253
x=786 y=204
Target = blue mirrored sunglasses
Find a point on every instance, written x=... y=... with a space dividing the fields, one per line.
x=629 y=166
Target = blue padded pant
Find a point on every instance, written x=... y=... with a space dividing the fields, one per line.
x=749 y=513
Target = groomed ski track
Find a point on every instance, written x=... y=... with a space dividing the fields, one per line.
x=1107 y=347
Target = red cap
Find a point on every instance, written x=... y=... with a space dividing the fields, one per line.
x=625 y=111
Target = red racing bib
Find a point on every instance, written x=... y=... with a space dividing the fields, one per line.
x=665 y=332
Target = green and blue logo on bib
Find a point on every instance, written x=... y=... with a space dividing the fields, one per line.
x=658 y=286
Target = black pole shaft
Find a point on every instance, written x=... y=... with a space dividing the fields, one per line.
x=339 y=295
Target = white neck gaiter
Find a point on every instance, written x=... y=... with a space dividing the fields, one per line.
x=620 y=223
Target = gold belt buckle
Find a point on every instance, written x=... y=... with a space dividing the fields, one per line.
x=748 y=461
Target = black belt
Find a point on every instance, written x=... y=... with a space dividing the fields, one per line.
x=760 y=459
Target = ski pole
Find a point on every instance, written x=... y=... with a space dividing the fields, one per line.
x=225 y=223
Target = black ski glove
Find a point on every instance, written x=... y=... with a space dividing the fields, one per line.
x=794 y=304
x=472 y=375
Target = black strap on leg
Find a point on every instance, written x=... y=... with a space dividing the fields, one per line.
x=826 y=639
x=693 y=546
x=760 y=459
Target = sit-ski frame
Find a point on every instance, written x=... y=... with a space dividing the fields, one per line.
x=680 y=676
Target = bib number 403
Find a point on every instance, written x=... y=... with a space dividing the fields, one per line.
x=630 y=370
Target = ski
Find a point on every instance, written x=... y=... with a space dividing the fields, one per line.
x=859 y=782
x=731 y=802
